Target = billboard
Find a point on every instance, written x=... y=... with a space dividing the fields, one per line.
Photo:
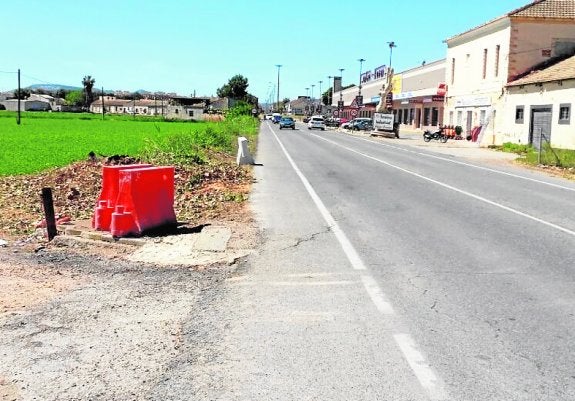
x=383 y=121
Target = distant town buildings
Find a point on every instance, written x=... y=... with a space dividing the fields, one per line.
x=511 y=79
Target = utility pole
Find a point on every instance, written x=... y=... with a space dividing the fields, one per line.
x=18 y=116
x=103 y=106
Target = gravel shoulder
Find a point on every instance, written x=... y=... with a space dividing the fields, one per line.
x=79 y=321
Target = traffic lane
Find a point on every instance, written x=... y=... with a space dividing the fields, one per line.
x=457 y=270
x=302 y=321
x=547 y=199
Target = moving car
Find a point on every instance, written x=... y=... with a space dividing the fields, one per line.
x=287 y=122
x=276 y=117
x=316 y=122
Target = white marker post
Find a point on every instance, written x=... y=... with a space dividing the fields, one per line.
x=244 y=156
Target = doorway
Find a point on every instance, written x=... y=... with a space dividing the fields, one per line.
x=540 y=129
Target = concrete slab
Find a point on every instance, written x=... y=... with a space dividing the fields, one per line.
x=213 y=239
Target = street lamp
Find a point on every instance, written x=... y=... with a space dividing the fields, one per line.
x=320 y=97
x=341 y=70
x=340 y=103
x=361 y=60
x=332 y=85
x=278 y=66
x=391 y=46
x=312 y=86
x=307 y=98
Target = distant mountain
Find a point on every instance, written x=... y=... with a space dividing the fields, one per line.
x=53 y=87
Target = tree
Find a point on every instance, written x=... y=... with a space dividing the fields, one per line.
x=236 y=88
x=88 y=83
x=75 y=98
x=24 y=94
x=61 y=93
x=326 y=97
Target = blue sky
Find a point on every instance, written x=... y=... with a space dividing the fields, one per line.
x=185 y=46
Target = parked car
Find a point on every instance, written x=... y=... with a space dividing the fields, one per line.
x=316 y=122
x=361 y=125
x=349 y=124
x=287 y=122
x=331 y=122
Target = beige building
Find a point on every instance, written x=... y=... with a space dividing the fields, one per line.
x=538 y=107
x=481 y=61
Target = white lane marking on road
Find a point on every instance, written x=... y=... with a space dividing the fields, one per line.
x=424 y=373
x=311 y=284
x=376 y=295
x=491 y=170
x=442 y=184
x=346 y=245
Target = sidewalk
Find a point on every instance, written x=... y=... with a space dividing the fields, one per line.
x=456 y=148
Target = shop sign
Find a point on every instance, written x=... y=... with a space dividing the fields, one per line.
x=366 y=77
x=375 y=99
x=473 y=101
x=379 y=72
x=403 y=95
x=441 y=89
x=383 y=121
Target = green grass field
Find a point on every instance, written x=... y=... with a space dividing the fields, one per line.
x=47 y=140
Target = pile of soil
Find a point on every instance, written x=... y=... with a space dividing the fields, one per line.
x=204 y=192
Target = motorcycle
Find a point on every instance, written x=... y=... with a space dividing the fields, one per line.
x=437 y=135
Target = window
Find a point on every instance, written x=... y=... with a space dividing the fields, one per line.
x=459 y=117
x=452 y=71
x=451 y=118
x=190 y=113
x=497 y=50
x=519 y=114
x=482 y=115
x=565 y=113
x=484 y=73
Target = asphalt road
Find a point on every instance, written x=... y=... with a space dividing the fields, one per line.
x=391 y=272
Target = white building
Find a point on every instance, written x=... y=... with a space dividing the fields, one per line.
x=538 y=107
x=481 y=61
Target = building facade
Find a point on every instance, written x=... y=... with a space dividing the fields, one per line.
x=538 y=107
x=481 y=61
x=418 y=96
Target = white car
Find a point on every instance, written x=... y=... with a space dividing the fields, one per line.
x=316 y=122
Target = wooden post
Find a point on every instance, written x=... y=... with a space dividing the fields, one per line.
x=48 y=204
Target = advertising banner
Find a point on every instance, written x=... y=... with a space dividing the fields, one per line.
x=383 y=121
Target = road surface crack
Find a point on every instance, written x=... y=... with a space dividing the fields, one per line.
x=308 y=238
